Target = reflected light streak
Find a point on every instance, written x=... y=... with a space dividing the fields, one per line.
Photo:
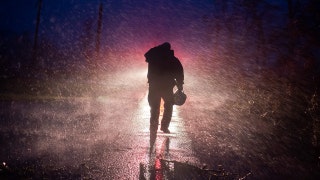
x=158 y=169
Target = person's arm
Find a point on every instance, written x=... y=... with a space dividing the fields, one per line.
x=179 y=74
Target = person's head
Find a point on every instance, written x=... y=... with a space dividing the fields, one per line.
x=166 y=46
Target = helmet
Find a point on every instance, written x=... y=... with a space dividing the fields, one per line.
x=179 y=97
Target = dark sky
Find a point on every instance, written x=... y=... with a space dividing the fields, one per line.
x=17 y=15
x=126 y=23
x=20 y=15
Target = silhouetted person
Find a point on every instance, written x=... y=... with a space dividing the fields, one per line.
x=164 y=72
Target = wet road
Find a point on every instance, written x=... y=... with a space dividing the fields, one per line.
x=106 y=136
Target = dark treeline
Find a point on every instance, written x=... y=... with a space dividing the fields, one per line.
x=282 y=35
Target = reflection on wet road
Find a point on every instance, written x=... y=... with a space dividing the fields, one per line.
x=167 y=147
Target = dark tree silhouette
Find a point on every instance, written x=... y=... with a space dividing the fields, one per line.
x=99 y=29
x=36 y=33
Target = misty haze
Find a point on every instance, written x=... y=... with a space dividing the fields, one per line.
x=74 y=89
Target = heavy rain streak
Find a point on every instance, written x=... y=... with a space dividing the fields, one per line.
x=74 y=89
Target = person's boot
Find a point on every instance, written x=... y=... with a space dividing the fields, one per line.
x=165 y=130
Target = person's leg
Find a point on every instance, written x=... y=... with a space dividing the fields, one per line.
x=168 y=106
x=154 y=99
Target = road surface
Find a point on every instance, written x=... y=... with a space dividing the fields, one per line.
x=105 y=135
